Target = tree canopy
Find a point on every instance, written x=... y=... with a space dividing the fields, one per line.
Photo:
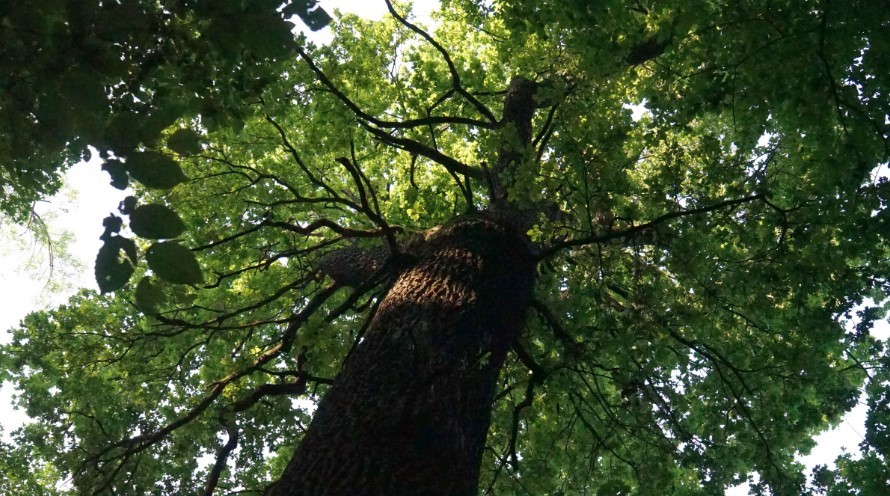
x=112 y=75
x=693 y=262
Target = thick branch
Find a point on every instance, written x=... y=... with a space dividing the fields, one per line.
x=516 y=134
x=418 y=148
x=222 y=456
x=410 y=409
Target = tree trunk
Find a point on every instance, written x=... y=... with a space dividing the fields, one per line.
x=410 y=410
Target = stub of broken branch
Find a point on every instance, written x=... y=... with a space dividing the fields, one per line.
x=351 y=266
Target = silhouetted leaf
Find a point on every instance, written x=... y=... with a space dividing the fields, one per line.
x=154 y=170
x=112 y=225
x=184 y=142
x=270 y=36
x=148 y=295
x=122 y=133
x=316 y=19
x=113 y=268
x=155 y=221
x=118 y=173
x=174 y=263
x=314 y=16
x=127 y=205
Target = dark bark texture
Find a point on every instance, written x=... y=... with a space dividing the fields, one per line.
x=410 y=410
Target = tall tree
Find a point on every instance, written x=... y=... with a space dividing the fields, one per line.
x=483 y=270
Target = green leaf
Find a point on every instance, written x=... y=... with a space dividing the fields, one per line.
x=675 y=360
x=154 y=170
x=184 y=142
x=155 y=221
x=82 y=90
x=113 y=269
x=56 y=120
x=614 y=488
x=174 y=263
x=148 y=295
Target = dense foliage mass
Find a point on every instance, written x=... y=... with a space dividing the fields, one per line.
x=113 y=75
x=693 y=263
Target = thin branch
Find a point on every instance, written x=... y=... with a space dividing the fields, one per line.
x=216 y=323
x=295 y=192
x=227 y=239
x=448 y=94
x=464 y=189
x=364 y=178
x=538 y=376
x=601 y=238
x=372 y=213
x=299 y=161
x=295 y=388
x=546 y=129
x=543 y=137
x=572 y=347
x=140 y=443
x=333 y=226
x=407 y=124
x=455 y=77
x=411 y=171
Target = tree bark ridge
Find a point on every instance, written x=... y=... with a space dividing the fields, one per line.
x=409 y=413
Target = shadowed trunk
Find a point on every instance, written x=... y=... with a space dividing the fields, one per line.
x=410 y=410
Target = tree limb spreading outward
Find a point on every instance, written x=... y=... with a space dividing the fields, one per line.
x=617 y=234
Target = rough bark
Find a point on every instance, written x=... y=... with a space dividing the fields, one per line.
x=516 y=125
x=410 y=410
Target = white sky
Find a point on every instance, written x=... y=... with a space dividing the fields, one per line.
x=88 y=198
x=24 y=265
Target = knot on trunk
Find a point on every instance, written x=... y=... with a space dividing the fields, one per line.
x=352 y=265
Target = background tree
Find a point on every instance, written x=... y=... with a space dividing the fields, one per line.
x=474 y=236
